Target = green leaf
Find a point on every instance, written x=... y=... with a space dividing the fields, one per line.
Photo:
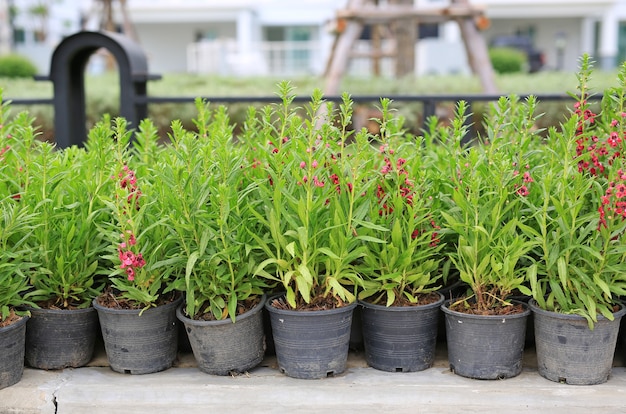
x=304 y=288
x=232 y=306
x=562 y=270
x=290 y=296
x=396 y=234
x=291 y=249
x=370 y=225
x=602 y=285
x=391 y=297
x=306 y=273
x=191 y=261
x=328 y=252
x=371 y=239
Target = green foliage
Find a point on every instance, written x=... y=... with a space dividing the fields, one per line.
x=58 y=192
x=102 y=99
x=139 y=249
x=297 y=202
x=578 y=221
x=401 y=233
x=16 y=222
x=206 y=202
x=507 y=60
x=16 y=66
x=69 y=246
x=310 y=209
x=489 y=185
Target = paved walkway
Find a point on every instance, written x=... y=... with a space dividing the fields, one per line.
x=184 y=389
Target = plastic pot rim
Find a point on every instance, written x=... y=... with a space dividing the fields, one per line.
x=532 y=304
x=445 y=309
x=306 y=313
x=97 y=306
x=248 y=314
x=373 y=306
x=15 y=325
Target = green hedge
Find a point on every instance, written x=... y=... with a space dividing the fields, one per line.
x=507 y=60
x=16 y=66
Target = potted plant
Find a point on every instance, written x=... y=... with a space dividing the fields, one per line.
x=137 y=310
x=17 y=223
x=309 y=184
x=61 y=189
x=207 y=203
x=577 y=278
x=401 y=267
x=485 y=330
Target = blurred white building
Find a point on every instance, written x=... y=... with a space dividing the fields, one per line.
x=38 y=26
x=286 y=37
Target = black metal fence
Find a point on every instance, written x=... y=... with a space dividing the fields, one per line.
x=67 y=74
x=428 y=103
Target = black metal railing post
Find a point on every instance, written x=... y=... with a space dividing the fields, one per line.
x=67 y=73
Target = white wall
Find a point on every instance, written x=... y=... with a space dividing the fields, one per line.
x=545 y=37
x=168 y=53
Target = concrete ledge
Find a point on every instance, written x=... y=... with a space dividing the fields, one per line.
x=96 y=389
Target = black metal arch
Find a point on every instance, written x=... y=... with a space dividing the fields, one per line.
x=67 y=72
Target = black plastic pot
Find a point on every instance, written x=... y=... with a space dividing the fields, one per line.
x=140 y=344
x=12 y=344
x=311 y=344
x=356 y=330
x=485 y=346
x=57 y=339
x=453 y=290
x=530 y=322
x=400 y=338
x=223 y=347
x=571 y=353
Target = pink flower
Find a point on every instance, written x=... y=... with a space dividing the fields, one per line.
x=434 y=239
x=614 y=139
x=127 y=258
x=303 y=164
x=314 y=164
x=523 y=191
x=528 y=178
x=139 y=261
x=131 y=273
x=317 y=182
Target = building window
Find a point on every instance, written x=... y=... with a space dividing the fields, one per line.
x=205 y=35
x=621 y=43
x=275 y=34
x=427 y=30
x=19 y=36
x=289 y=49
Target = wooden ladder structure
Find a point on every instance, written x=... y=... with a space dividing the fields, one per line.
x=358 y=13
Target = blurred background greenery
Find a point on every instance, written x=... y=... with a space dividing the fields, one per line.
x=103 y=95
